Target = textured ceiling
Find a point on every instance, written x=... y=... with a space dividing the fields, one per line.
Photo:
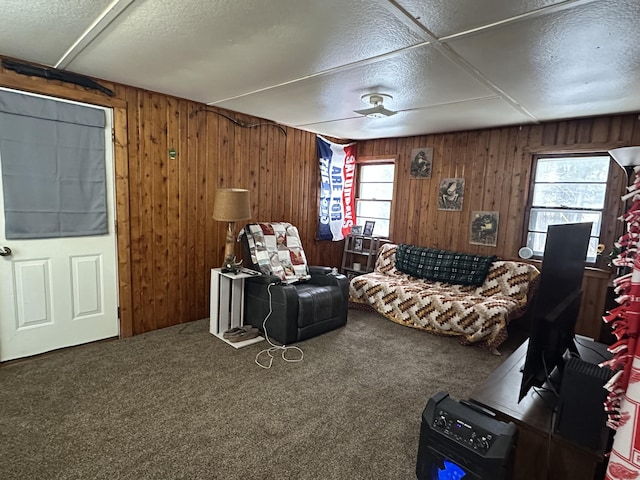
x=449 y=65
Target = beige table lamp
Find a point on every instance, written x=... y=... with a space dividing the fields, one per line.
x=231 y=205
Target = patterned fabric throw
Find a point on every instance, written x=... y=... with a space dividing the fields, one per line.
x=442 y=265
x=276 y=248
x=477 y=315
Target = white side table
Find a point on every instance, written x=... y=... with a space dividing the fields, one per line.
x=226 y=306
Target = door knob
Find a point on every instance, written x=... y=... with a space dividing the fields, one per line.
x=5 y=252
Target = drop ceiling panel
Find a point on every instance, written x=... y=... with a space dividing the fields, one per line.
x=42 y=30
x=579 y=62
x=208 y=51
x=416 y=78
x=444 y=17
x=445 y=118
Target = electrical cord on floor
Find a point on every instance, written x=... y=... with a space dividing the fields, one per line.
x=275 y=348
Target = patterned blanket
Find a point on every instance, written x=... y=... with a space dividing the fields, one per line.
x=478 y=315
x=276 y=249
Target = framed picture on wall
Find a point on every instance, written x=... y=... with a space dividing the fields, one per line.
x=451 y=194
x=368 y=228
x=421 y=162
x=484 y=228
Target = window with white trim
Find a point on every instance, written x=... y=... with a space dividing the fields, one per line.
x=567 y=190
x=375 y=195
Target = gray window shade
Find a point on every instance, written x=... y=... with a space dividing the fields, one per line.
x=53 y=168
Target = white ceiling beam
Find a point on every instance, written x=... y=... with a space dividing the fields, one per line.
x=113 y=11
x=523 y=16
x=410 y=21
x=330 y=71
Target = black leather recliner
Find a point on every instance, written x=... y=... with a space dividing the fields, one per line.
x=299 y=310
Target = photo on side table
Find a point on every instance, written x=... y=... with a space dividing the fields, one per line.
x=368 y=228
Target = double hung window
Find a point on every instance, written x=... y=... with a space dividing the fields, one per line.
x=375 y=195
x=567 y=190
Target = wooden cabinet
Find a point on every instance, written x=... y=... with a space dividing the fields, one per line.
x=540 y=453
x=359 y=255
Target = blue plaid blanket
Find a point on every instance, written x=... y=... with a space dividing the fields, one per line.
x=442 y=265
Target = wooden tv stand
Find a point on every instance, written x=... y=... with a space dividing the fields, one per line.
x=540 y=454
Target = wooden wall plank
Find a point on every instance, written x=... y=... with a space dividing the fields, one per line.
x=185 y=110
x=505 y=181
x=253 y=175
x=158 y=152
x=284 y=199
x=400 y=206
x=146 y=321
x=123 y=209
x=479 y=168
x=205 y=161
x=135 y=200
x=172 y=201
x=513 y=225
x=197 y=125
x=211 y=231
x=593 y=300
x=262 y=194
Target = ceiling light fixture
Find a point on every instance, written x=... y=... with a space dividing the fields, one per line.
x=378 y=110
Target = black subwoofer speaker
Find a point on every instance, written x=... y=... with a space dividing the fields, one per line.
x=463 y=441
x=581 y=416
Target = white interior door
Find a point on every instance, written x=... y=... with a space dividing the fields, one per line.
x=59 y=292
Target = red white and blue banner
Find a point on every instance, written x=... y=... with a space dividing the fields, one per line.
x=337 y=194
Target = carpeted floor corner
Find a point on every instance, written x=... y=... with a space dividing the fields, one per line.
x=178 y=403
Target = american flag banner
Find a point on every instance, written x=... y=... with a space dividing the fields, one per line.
x=337 y=196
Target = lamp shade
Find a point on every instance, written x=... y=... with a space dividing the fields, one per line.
x=232 y=204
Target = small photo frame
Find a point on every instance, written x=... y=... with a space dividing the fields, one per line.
x=484 y=228
x=368 y=228
x=451 y=194
x=421 y=162
x=356 y=230
x=357 y=245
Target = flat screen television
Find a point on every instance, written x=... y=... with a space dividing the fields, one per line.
x=556 y=304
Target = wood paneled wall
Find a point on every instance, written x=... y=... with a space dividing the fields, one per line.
x=497 y=167
x=167 y=239
x=168 y=242
x=174 y=240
